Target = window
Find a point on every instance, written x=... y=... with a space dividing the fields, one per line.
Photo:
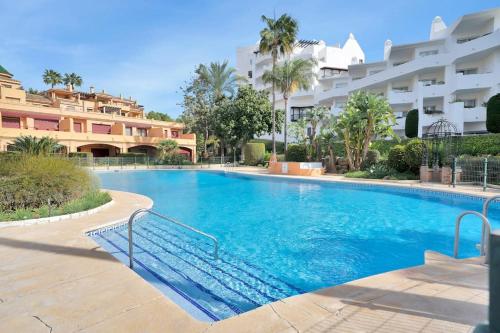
x=400 y=89
x=341 y=85
x=142 y=132
x=101 y=129
x=467 y=71
x=468 y=103
x=90 y=109
x=249 y=74
x=46 y=124
x=428 y=53
x=174 y=134
x=429 y=82
x=11 y=122
x=297 y=113
x=77 y=127
x=128 y=131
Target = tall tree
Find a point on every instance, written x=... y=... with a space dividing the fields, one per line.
x=365 y=117
x=278 y=37
x=249 y=114
x=52 y=77
x=73 y=79
x=219 y=79
x=158 y=116
x=204 y=93
x=289 y=77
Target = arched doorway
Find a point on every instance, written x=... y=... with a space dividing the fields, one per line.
x=186 y=152
x=143 y=149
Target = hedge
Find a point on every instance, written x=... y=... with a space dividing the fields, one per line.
x=411 y=124
x=493 y=114
x=254 y=153
x=479 y=145
x=296 y=153
x=280 y=146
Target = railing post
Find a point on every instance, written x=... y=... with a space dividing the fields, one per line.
x=107 y=160
x=121 y=162
x=494 y=281
x=135 y=162
x=454 y=172
x=485 y=174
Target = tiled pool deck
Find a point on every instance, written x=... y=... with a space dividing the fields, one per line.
x=53 y=278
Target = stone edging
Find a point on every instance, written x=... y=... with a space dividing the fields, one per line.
x=56 y=218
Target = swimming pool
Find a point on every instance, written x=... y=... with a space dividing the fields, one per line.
x=279 y=237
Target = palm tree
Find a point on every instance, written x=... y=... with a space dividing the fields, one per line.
x=35 y=146
x=73 y=79
x=52 y=77
x=317 y=117
x=218 y=78
x=167 y=148
x=277 y=38
x=289 y=77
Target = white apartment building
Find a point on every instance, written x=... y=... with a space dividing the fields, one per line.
x=452 y=75
x=331 y=61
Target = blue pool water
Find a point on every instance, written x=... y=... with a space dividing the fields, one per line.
x=279 y=237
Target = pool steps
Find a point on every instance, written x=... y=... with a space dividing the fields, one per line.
x=219 y=288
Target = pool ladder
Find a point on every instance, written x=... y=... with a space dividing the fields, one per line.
x=486 y=229
x=144 y=211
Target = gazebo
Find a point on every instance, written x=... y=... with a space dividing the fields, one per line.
x=441 y=146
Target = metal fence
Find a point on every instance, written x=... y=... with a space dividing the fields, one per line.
x=146 y=161
x=482 y=171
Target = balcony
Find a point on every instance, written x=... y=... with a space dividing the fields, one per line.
x=476 y=114
x=401 y=97
x=433 y=90
x=474 y=81
x=400 y=123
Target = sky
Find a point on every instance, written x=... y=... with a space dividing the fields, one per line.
x=148 y=49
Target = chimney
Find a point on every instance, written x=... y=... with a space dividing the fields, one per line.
x=121 y=96
x=387 y=48
x=437 y=28
x=92 y=90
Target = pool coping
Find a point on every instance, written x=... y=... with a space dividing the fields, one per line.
x=290 y=314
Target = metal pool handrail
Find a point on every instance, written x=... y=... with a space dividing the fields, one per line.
x=486 y=207
x=484 y=240
x=171 y=220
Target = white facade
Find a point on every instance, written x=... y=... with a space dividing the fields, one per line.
x=451 y=76
x=331 y=61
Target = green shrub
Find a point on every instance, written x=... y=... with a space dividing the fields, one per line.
x=28 y=182
x=384 y=146
x=396 y=158
x=413 y=154
x=372 y=158
x=280 y=146
x=296 y=153
x=81 y=154
x=88 y=201
x=254 y=153
x=411 y=124
x=493 y=114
